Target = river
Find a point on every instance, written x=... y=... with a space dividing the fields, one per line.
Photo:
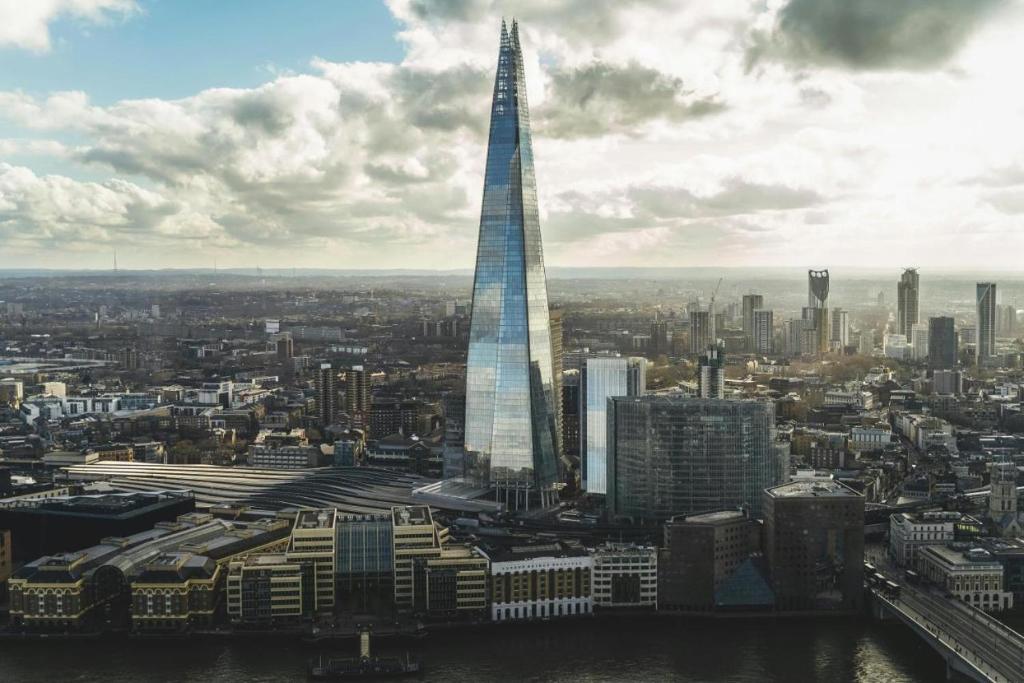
x=738 y=651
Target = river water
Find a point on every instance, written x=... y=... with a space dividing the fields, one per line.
x=740 y=651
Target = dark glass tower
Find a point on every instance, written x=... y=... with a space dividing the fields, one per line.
x=510 y=415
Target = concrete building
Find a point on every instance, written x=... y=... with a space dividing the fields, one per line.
x=949 y=382
x=751 y=303
x=971 y=574
x=814 y=544
x=911 y=531
x=267 y=589
x=942 y=343
x=625 y=575
x=763 y=332
x=700 y=331
x=701 y=553
x=313 y=542
x=541 y=581
x=326 y=394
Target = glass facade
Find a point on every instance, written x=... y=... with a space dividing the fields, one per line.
x=510 y=416
x=675 y=455
x=603 y=378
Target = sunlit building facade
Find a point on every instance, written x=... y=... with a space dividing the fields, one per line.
x=510 y=410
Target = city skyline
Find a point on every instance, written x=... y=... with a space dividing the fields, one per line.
x=759 y=132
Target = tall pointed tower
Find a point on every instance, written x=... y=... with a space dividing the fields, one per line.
x=510 y=416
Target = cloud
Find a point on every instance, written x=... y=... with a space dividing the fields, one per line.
x=871 y=34
x=25 y=24
x=599 y=98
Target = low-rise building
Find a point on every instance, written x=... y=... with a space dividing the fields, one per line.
x=540 y=581
x=625 y=575
x=971 y=574
x=910 y=531
x=268 y=589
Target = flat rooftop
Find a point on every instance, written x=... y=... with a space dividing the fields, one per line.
x=718 y=517
x=315 y=519
x=815 y=488
x=411 y=515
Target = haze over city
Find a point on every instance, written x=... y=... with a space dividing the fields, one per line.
x=669 y=133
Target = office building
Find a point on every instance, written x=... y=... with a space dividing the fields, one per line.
x=1006 y=320
x=364 y=563
x=840 y=336
x=326 y=394
x=763 y=332
x=919 y=342
x=908 y=294
x=510 y=390
x=949 y=382
x=285 y=348
x=601 y=378
x=268 y=589
x=985 y=349
x=942 y=343
x=571 y=412
x=814 y=545
x=700 y=558
x=670 y=455
x=969 y=574
x=540 y=581
x=313 y=543
x=700 y=331
x=911 y=531
x=557 y=337
x=431 y=576
x=711 y=373
x=751 y=303
x=625 y=575
x=453 y=407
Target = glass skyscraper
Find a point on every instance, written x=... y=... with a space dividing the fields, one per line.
x=510 y=410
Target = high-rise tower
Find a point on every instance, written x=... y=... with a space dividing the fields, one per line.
x=908 y=292
x=986 y=299
x=816 y=312
x=510 y=413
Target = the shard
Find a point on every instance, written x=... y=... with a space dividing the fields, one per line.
x=510 y=402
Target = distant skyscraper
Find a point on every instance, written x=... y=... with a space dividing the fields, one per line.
x=601 y=379
x=510 y=397
x=700 y=331
x=751 y=303
x=817 y=289
x=919 y=341
x=986 y=299
x=942 y=346
x=1006 y=320
x=326 y=394
x=711 y=377
x=908 y=293
x=764 y=331
x=795 y=335
x=817 y=302
x=840 y=328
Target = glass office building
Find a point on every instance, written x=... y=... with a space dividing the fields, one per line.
x=600 y=379
x=678 y=455
x=510 y=412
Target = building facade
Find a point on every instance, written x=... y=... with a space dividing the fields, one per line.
x=600 y=379
x=814 y=545
x=670 y=455
x=625 y=575
x=908 y=294
x=540 y=582
x=985 y=349
x=942 y=343
x=510 y=388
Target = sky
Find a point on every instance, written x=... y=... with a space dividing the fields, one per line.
x=670 y=133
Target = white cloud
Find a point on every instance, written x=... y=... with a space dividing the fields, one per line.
x=25 y=24
x=655 y=143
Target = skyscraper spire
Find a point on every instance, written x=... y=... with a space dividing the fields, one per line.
x=510 y=417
